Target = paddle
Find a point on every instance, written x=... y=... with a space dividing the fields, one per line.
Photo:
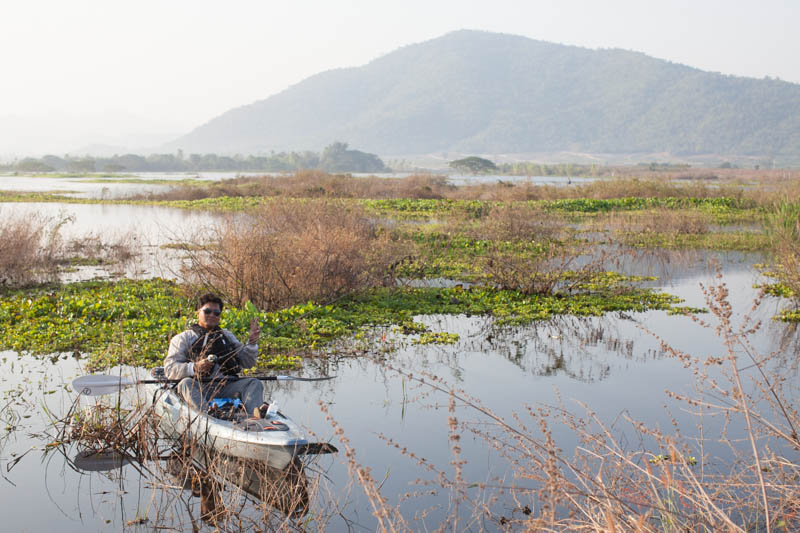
x=91 y=461
x=99 y=384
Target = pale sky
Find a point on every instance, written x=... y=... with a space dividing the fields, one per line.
x=79 y=71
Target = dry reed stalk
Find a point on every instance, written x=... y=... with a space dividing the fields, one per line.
x=389 y=518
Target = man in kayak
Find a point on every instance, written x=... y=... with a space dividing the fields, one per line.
x=205 y=351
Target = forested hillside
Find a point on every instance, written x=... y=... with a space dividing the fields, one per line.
x=483 y=92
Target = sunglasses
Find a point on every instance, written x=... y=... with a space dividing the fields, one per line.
x=208 y=311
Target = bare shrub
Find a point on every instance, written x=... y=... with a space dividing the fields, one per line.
x=30 y=250
x=529 y=251
x=521 y=222
x=282 y=254
x=554 y=268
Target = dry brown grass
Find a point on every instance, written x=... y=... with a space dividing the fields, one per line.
x=519 y=222
x=33 y=251
x=659 y=221
x=315 y=184
x=281 y=255
x=763 y=187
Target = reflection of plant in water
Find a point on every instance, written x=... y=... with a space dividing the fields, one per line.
x=584 y=349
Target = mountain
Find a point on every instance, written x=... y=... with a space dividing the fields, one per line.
x=480 y=92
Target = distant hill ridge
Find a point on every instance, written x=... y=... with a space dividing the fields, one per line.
x=481 y=92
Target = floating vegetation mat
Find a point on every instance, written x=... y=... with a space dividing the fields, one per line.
x=131 y=322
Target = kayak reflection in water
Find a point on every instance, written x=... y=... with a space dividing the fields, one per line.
x=212 y=475
x=207 y=352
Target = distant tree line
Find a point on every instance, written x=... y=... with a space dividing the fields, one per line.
x=335 y=158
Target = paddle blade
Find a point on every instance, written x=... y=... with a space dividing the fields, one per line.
x=100 y=384
x=90 y=461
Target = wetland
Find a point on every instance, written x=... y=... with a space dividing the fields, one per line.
x=508 y=354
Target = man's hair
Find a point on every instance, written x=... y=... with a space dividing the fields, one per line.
x=209 y=298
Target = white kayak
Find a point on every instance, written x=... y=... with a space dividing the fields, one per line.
x=275 y=440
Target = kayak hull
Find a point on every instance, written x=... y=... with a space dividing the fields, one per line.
x=275 y=440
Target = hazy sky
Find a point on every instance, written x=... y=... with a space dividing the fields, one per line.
x=108 y=69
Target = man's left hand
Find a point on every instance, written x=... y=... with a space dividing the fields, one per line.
x=255 y=332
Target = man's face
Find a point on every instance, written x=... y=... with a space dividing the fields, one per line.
x=208 y=315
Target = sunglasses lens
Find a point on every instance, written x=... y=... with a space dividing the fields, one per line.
x=209 y=311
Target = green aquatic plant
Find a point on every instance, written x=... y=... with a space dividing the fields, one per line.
x=132 y=322
x=437 y=337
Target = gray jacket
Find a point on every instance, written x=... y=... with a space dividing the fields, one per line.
x=177 y=365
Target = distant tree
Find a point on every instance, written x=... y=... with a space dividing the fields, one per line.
x=30 y=164
x=337 y=158
x=54 y=161
x=474 y=165
x=131 y=162
x=85 y=164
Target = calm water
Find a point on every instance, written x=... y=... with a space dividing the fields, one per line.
x=614 y=364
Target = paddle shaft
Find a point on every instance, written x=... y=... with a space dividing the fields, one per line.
x=99 y=384
x=225 y=378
